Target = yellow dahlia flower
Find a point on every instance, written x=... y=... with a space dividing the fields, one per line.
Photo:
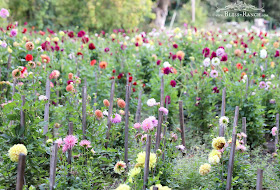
x=55 y=39
x=160 y=187
x=218 y=143
x=177 y=30
x=204 y=169
x=16 y=150
x=61 y=33
x=141 y=159
x=214 y=159
x=123 y=187
x=113 y=35
x=134 y=172
x=215 y=153
x=10 y=50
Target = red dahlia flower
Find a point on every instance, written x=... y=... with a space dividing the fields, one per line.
x=91 y=46
x=173 y=83
x=28 y=57
x=81 y=33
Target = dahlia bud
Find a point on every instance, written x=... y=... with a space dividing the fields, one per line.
x=57 y=125
x=159 y=152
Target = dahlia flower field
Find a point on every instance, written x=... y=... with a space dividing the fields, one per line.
x=182 y=108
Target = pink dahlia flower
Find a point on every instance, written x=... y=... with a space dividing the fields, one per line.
x=154 y=120
x=273 y=131
x=241 y=147
x=137 y=125
x=147 y=125
x=116 y=118
x=59 y=142
x=64 y=148
x=180 y=147
x=70 y=141
x=214 y=74
x=4 y=13
x=164 y=110
x=144 y=138
x=85 y=143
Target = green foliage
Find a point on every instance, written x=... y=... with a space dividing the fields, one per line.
x=92 y=15
x=185 y=14
x=186 y=174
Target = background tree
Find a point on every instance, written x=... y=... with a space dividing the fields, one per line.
x=96 y=15
x=161 y=11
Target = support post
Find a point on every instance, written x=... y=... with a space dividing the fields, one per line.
x=259 y=179
x=232 y=151
x=47 y=106
x=109 y=123
x=127 y=96
x=53 y=163
x=84 y=110
x=223 y=111
x=20 y=171
x=147 y=160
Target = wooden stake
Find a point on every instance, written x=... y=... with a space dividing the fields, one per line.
x=14 y=88
x=84 y=110
x=162 y=92
x=57 y=92
x=164 y=131
x=244 y=129
x=77 y=67
x=235 y=121
x=277 y=132
x=247 y=87
x=110 y=112
x=95 y=94
x=231 y=162
x=223 y=111
x=94 y=102
x=166 y=116
x=259 y=179
x=181 y=114
x=232 y=151
x=9 y=65
x=85 y=81
x=20 y=171
x=160 y=115
x=158 y=137
x=127 y=96
x=47 y=106
x=69 y=158
x=147 y=160
x=53 y=165
x=138 y=112
x=22 y=115
x=13 y=93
